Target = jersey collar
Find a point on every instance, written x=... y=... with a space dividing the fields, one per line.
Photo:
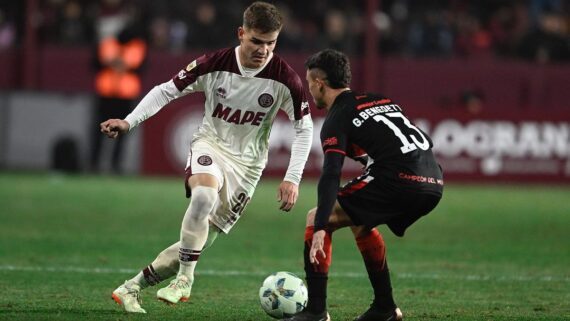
x=340 y=97
x=247 y=72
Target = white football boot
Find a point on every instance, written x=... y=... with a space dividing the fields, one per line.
x=128 y=296
x=178 y=290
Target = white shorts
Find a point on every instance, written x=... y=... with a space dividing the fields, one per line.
x=236 y=182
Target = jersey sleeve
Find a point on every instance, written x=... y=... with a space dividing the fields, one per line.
x=300 y=150
x=327 y=188
x=297 y=103
x=189 y=80
x=334 y=144
x=333 y=137
x=152 y=103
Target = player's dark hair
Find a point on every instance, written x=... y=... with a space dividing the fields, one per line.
x=334 y=64
x=262 y=16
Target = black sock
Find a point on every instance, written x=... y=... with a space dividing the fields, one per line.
x=316 y=284
x=373 y=251
x=382 y=286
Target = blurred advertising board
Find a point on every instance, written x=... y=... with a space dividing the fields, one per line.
x=494 y=147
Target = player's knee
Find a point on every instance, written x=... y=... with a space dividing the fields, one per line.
x=357 y=231
x=311 y=217
x=202 y=202
x=360 y=231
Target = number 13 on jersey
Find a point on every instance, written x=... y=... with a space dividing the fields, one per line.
x=407 y=146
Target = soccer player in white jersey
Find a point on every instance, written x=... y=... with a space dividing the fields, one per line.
x=244 y=87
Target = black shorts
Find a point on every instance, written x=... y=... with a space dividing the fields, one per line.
x=372 y=200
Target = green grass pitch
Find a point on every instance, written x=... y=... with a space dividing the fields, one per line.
x=486 y=253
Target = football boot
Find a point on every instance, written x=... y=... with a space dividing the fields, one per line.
x=308 y=316
x=128 y=296
x=374 y=314
x=178 y=290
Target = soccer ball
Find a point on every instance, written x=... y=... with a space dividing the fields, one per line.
x=283 y=294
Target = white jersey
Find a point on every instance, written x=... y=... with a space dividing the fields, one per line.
x=241 y=104
x=240 y=107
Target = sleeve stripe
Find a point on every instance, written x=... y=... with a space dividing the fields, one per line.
x=332 y=150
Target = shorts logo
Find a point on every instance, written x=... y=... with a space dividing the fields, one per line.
x=205 y=160
x=265 y=100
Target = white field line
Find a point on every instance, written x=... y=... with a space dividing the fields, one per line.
x=430 y=276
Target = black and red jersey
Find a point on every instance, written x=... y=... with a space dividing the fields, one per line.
x=366 y=124
x=398 y=154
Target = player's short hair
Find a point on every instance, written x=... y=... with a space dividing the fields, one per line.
x=262 y=16
x=334 y=64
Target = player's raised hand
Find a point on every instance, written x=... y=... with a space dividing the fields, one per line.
x=114 y=127
x=317 y=247
x=287 y=194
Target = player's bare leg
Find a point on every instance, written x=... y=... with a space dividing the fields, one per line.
x=193 y=236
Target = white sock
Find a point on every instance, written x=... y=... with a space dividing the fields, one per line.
x=166 y=264
x=194 y=231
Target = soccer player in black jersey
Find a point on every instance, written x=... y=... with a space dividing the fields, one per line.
x=401 y=182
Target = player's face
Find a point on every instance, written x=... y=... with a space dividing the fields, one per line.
x=256 y=47
x=315 y=85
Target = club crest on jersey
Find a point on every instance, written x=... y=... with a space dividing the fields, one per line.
x=221 y=92
x=205 y=160
x=265 y=100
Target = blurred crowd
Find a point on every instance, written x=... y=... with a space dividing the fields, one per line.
x=535 y=30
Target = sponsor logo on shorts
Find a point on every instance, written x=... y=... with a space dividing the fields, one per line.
x=265 y=100
x=205 y=160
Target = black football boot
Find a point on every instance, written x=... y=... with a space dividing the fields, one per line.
x=308 y=316
x=374 y=314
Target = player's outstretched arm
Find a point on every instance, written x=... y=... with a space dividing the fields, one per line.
x=114 y=127
x=287 y=194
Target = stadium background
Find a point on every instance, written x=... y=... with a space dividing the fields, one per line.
x=487 y=79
